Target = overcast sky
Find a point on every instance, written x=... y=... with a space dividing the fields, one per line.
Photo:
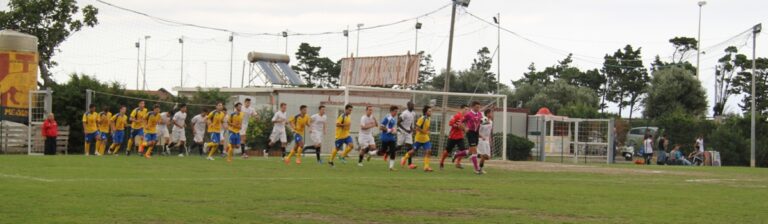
x=587 y=28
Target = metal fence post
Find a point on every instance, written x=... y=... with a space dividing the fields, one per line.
x=611 y=149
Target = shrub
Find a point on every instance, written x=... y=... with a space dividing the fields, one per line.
x=260 y=128
x=518 y=149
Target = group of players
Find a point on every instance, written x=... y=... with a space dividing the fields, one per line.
x=399 y=131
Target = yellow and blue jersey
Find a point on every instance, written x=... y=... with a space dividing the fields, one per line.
x=299 y=123
x=90 y=121
x=235 y=122
x=140 y=116
x=152 y=120
x=120 y=120
x=216 y=118
x=423 y=134
x=104 y=118
x=343 y=132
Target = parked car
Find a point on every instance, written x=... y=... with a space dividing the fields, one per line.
x=636 y=135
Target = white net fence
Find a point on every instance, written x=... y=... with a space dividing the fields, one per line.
x=571 y=140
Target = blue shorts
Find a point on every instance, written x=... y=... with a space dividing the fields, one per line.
x=340 y=142
x=137 y=132
x=118 y=137
x=298 y=138
x=234 y=138
x=216 y=137
x=90 y=137
x=422 y=145
x=150 y=137
x=103 y=135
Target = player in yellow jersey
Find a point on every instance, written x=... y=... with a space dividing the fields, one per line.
x=343 y=123
x=118 y=122
x=215 y=120
x=90 y=128
x=298 y=124
x=102 y=140
x=137 y=117
x=234 y=124
x=422 y=139
x=150 y=130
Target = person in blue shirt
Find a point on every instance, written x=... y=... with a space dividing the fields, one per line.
x=389 y=136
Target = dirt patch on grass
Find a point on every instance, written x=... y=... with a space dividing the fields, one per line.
x=314 y=217
x=557 y=167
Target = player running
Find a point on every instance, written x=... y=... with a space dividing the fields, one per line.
x=405 y=131
x=118 y=122
x=365 y=139
x=389 y=136
x=484 y=146
x=178 y=135
x=455 y=138
x=248 y=113
x=278 y=130
x=297 y=124
x=317 y=129
x=343 y=123
x=198 y=130
x=234 y=124
x=150 y=136
x=472 y=121
x=90 y=128
x=422 y=139
x=163 y=136
x=215 y=121
x=138 y=117
x=101 y=138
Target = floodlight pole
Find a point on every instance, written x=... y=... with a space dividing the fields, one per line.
x=232 y=54
x=138 y=62
x=357 y=51
x=418 y=27
x=285 y=34
x=698 y=43
x=447 y=77
x=346 y=35
x=181 y=82
x=144 y=79
x=498 y=53
x=755 y=30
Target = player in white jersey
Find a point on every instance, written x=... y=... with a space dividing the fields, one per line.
x=365 y=139
x=248 y=113
x=405 y=124
x=484 y=145
x=163 y=136
x=178 y=135
x=317 y=129
x=198 y=130
x=278 y=130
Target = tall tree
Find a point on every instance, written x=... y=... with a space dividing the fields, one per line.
x=51 y=21
x=628 y=77
x=477 y=79
x=727 y=67
x=672 y=89
x=742 y=84
x=682 y=45
x=426 y=71
x=317 y=71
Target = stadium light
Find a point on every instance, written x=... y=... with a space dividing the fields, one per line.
x=698 y=42
x=232 y=55
x=418 y=27
x=138 y=61
x=755 y=30
x=357 y=51
x=181 y=79
x=346 y=35
x=285 y=34
x=144 y=79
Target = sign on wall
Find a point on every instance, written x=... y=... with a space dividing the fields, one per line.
x=380 y=71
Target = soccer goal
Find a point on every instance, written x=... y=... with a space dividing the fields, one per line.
x=572 y=140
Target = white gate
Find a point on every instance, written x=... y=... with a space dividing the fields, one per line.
x=40 y=104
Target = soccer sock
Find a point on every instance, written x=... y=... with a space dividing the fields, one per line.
x=290 y=154
x=362 y=153
x=87 y=148
x=391 y=163
x=130 y=145
x=114 y=148
x=242 y=146
x=317 y=153
x=426 y=160
x=333 y=154
x=482 y=162
x=407 y=156
x=474 y=160
x=149 y=150
x=229 y=152
x=298 y=154
x=346 y=151
x=283 y=149
x=212 y=149
x=410 y=160
x=392 y=155
x=460 y=155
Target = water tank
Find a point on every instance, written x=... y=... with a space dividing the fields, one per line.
x=275 y=58
x=18 y=73
x=11 y=40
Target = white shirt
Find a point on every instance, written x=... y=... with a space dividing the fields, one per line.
x=178 y=119
x=163 y=126
x=279 y=116
x=700 y=142
x=406 y=118
x=198 y=123
x=366 y=120
x=317 y=122
x=247 y=113
x=485 y=128
x=648 y=145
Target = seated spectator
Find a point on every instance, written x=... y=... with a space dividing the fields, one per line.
x=677 y=158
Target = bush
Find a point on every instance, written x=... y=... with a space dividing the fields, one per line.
x=518 y=149
x=683 y=128
x=260 y=128
x=731 y=139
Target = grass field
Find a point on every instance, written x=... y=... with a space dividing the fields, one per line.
x=78 y=189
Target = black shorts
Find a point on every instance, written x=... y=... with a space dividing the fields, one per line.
x=473 y=138
x=387 y=147
x=455 y=143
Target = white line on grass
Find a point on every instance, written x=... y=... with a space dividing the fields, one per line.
x=22 y=177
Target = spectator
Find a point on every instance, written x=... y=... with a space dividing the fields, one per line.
x=661 y=157
x=677 y=156
x=50 y=132
x=648 y=149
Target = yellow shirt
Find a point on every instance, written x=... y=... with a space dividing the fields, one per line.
x=120 y=121
x=90 y=120
x=235 y=122
x=342 y=133
x=423 y=135
x=299 y=123
x=104 y=119
x=152 y=120
x=216 y=119
x=141 y=116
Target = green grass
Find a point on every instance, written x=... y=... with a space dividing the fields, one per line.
x=76 y=189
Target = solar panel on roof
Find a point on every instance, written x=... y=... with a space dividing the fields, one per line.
x=293 y=78
x=270 y=73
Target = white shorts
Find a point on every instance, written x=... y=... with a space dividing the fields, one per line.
x=278 y=135
x=178 y=135
x=199 y=137
x=483 y=147
x=365 y=140
x=163 y=133
x=244 y=128
x=404 y=138
x=316 y=136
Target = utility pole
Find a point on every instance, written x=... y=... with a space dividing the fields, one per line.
x=418 y=27
x=497 y=20
x=205 y=82
x=357 y=52
x=138 y=61
x=346 y=34
x=181 y=41
x=285 y=34
x=447 y=78
x=144 y=79
x=698 y=43
x=232 y=56
x=755 y=30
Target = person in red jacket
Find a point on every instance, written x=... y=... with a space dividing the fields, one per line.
x=50 y=132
